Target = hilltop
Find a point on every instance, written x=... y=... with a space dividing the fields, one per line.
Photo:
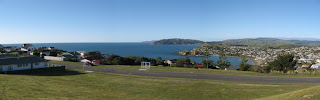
x=268 y=42
x=255 y=42
x=177 y=41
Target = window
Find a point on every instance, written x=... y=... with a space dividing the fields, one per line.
x=20 y=65
x=10 y=67
x=37 y=63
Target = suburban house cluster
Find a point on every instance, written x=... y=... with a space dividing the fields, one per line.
x=29 y=57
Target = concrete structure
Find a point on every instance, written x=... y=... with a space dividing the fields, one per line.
x=145 y=65
x=23 y=63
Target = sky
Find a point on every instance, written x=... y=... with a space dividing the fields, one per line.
x=56 y=21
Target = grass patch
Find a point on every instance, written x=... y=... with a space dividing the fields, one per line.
x=193 y=70
x=311 y=93
x=97 y=86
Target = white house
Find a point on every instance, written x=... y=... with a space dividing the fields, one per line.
x=27 y=48
x=82 y=53
x=23 y=63
x=51 y=48
x=317 y=66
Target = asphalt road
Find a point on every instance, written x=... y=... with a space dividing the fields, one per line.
x=259 y=79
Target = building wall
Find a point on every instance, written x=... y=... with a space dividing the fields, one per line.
x=15 y=67
x=54 y=58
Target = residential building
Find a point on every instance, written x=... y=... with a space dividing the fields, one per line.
x=22 y=63
x=28 y=48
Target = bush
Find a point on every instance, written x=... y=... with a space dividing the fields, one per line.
x=261 y=69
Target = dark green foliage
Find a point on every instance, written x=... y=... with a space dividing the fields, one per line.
x=109 y=60
x=117 y=61
x=129 y=60
x=261 y=69
x=160 y=61
x=244 y=66
x=152 y=61
x=187 y=60
x=284 y=62
x=222 y=62
x=180 y=62
x=176 y=41
x=208 y=61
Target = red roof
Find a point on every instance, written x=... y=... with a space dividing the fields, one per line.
x=200 y=65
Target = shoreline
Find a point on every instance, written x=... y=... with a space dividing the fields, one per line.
x=251 y=59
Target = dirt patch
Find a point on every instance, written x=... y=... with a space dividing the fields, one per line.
x=307 y=96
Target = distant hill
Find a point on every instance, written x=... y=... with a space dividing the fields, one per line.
x=257 y=42
x=268 y=42
x=177 y=41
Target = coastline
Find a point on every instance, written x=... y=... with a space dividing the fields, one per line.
x=255 y=62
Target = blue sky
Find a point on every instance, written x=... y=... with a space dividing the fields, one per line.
x=43 y=21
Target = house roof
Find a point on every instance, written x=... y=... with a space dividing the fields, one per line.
x=200 y=65
x=22 y=60
x=26 y=46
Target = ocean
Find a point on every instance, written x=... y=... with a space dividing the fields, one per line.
x=131 y=49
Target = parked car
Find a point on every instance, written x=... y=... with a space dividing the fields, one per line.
x=88 y=63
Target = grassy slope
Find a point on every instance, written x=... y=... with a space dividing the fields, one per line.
x=114 y=86
x=191 y=70
x=312 y=93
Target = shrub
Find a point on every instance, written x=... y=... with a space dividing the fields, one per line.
x=261 y=69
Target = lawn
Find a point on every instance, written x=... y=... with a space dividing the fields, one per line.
x=311 y=93
x=190 y=70
x=96 y=86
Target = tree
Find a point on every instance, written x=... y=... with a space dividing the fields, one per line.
x=244 y=66
x=159 y=61
x=109 y=60
x=207 y=63
x=153 y=62
x=117 y=61
x=222 y=62
x=187 y=62
x=180 y=62
x=206 y=54
x=284 y=62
